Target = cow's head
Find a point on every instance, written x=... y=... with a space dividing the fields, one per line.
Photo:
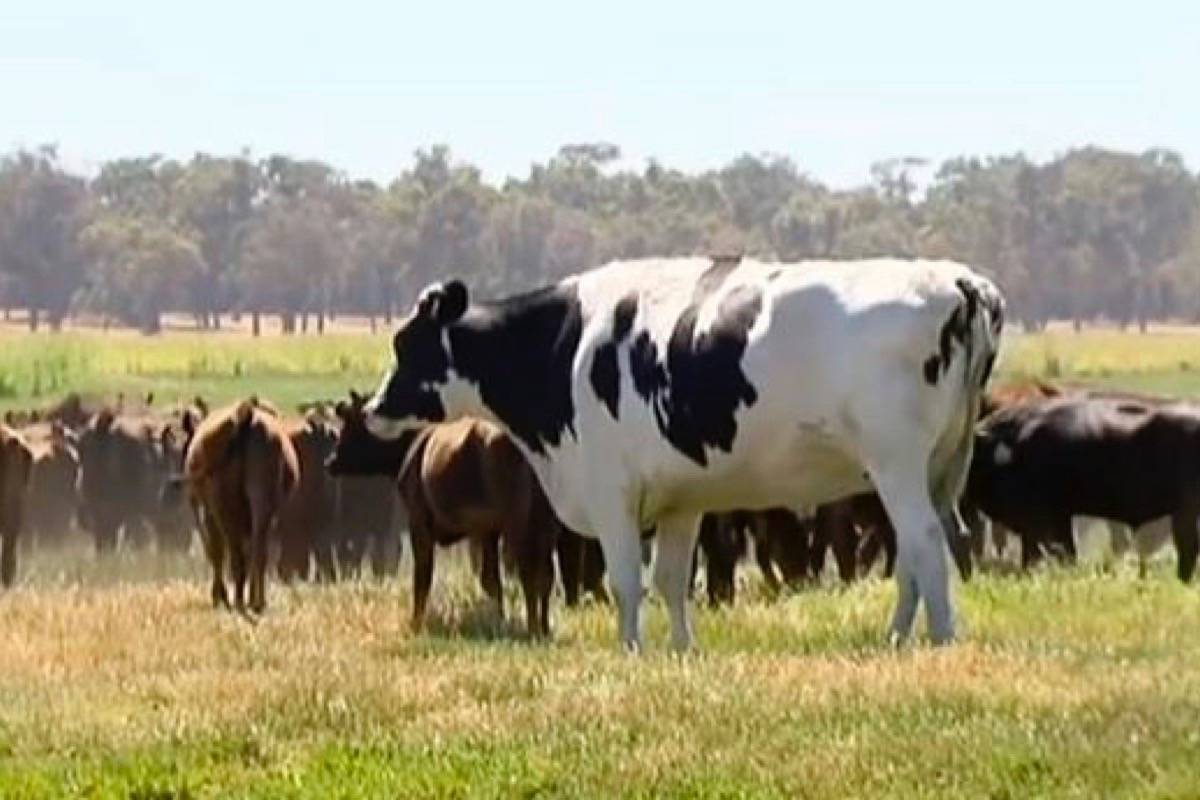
x=358 y=451
x=411 y=393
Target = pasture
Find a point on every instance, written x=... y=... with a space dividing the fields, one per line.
x=117 y=679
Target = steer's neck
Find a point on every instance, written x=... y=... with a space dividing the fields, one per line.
x=514 y=358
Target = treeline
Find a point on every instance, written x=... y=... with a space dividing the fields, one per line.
x=1094 y=234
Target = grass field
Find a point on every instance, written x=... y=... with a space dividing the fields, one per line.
x=118 y=680
x=38 y=369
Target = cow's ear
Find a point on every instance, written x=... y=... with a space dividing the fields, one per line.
x=453 y=302
x=189 y=423
x=443 y=303
x=357 y=400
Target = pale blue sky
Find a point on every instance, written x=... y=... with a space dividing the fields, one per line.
x=835 y=85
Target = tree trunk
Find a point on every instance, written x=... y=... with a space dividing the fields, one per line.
x=34 y=318
x=304 y=322
x=255 y=323
x=320 y=322
x=371 y=322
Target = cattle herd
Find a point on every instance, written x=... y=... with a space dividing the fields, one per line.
x=787 y=409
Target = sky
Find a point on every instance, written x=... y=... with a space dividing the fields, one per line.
x=835 y=85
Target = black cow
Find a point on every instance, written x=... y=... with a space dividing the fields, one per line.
x=1038 y=464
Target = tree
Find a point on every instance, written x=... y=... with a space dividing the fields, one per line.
x=42 y=212
x=142 y=267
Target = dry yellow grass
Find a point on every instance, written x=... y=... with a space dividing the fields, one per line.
x=1069 y=683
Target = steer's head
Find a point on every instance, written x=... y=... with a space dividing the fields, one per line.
x=412 y=392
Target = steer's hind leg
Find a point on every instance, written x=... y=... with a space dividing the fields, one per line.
x=921 y=570
x=672 y=572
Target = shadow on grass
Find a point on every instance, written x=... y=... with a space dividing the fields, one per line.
x=479 y=622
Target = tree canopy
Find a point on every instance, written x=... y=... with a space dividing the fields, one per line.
x=1091 y=234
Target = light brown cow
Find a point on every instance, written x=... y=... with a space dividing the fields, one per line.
x=464 y=480
x=307 y=519
x=240 y=468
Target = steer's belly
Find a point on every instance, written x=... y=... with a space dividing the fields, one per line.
x=802 y=471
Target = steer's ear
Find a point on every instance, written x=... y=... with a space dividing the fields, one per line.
x=453 y=303
x=443 y=303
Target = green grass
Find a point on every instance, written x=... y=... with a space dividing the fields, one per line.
x=118 y=681
x=39 y=369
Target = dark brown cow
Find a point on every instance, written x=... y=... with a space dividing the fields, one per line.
x=1039 y=463
x=367 y=527
x=461 y=481
x=781 y=538
x=117 y=478
x=857 y=529
x=16 y=462
x=51 y=506
x=580 y=567
x=240 y=468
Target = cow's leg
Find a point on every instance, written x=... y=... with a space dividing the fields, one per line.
x=237 y=569
x=869 y=548
x=763 y=552
x=845 y=547
x=621 y=542
x=676 y=541
x=921 y=570
x=1031 y=548
x=422 y=547
x=262 y=520
x=386 y=552
x=1062 y=533
x=214 y=548
x=958 y=540
x=717 y=538
x=489 y=571
x=1183 y=526
x=569 y=549
x=1119 y=538
x=324 y=554
x=8 y=555
x=593 y=571
x=823 y=530
x=535 y=563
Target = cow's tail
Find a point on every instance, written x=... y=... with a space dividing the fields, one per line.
x=978 y=320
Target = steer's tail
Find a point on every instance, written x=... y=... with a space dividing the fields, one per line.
x=976 y=325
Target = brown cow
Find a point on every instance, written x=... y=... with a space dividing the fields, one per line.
x=781 y=541
x=580 y=567
x=112 y=446
x=51 y=505
x=367 y=526
x=307 y=519
x=16 y=462
x=240 y=468
x=462 y=480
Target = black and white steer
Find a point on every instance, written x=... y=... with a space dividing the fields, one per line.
x=647 y=392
